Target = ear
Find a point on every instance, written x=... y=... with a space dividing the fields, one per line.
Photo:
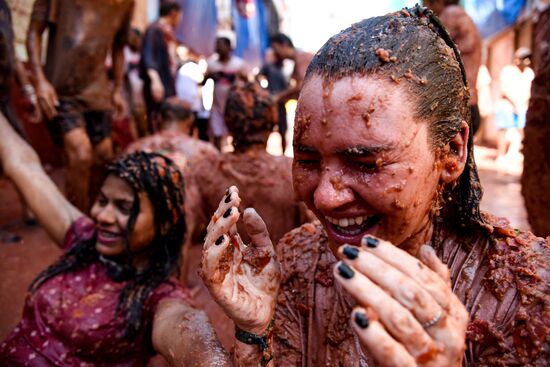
x=454 y=162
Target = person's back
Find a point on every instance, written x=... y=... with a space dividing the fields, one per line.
x=266 y=183
x=266 y=180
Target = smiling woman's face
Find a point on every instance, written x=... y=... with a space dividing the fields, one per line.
x=111 y=212
x=363 y=163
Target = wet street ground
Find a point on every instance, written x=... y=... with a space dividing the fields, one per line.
x=20 y=262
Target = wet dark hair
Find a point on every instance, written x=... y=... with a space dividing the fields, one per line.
x=411 y=47
x=250 y=114
x=174 y=108
x=281 y=39
x=160 y=179
x=168 y=7
x=225 y=40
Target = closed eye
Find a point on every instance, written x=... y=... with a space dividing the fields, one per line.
x=125 y=206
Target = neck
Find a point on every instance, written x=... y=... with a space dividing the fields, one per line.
x=225 y=57
x=251 y=149
x=423 y=236
x=177 y=127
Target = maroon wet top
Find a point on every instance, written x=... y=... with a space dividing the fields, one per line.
x=70 y=320
x=502 y=276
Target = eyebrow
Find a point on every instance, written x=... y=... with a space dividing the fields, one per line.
x=363 y=150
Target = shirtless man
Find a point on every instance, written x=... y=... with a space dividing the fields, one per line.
x=283 y=48
x=74 y=91
x=173 y=139
x=464 y=33
x=265 y=181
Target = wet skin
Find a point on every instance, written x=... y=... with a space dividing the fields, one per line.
x=111 y=212
x=378 y=167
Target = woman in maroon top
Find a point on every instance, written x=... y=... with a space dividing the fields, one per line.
x=110 y=299
x=402 y=268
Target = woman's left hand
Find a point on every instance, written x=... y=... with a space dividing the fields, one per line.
x=407 y=314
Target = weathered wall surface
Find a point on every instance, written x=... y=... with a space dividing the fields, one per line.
x=20 y=11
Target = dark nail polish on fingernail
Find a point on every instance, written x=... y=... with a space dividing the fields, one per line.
x=220 y=240
x=361 y=319
x=370 y=241
x=351 y=252
x=228 y=199
x=345 y=271
x=227 y=213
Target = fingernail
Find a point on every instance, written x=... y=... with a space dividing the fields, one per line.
x=345 y=271
x=220 y=240
x=227 y=213
x=228 y=199
x=370 y=241
x=361 y=320
x=351 y=252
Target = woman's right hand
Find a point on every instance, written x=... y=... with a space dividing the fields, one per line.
x=243 y=279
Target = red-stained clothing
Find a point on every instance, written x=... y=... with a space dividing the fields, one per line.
x=70 y=320
x=502 y=277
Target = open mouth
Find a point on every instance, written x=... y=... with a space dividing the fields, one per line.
x=107 y=238
x=351 y=230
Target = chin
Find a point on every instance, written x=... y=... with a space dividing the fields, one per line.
x=108 y=251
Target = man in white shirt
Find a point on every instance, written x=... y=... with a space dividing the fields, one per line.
x=224 y=68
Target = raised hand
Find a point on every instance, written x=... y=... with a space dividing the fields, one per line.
x=243 y=279
x=407 y=314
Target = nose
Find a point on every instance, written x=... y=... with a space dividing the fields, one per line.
x=332 y=192
x=105 y=215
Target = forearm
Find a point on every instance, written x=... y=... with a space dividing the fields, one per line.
x=34 y=46
x=184 y=337
x=153 y=75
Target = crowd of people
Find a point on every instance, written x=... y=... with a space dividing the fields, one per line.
x=367 y=248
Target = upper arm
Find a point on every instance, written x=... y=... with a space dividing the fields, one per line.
x=184 y=337
x=123 y=33
x=148 y=46
x=39 y=17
